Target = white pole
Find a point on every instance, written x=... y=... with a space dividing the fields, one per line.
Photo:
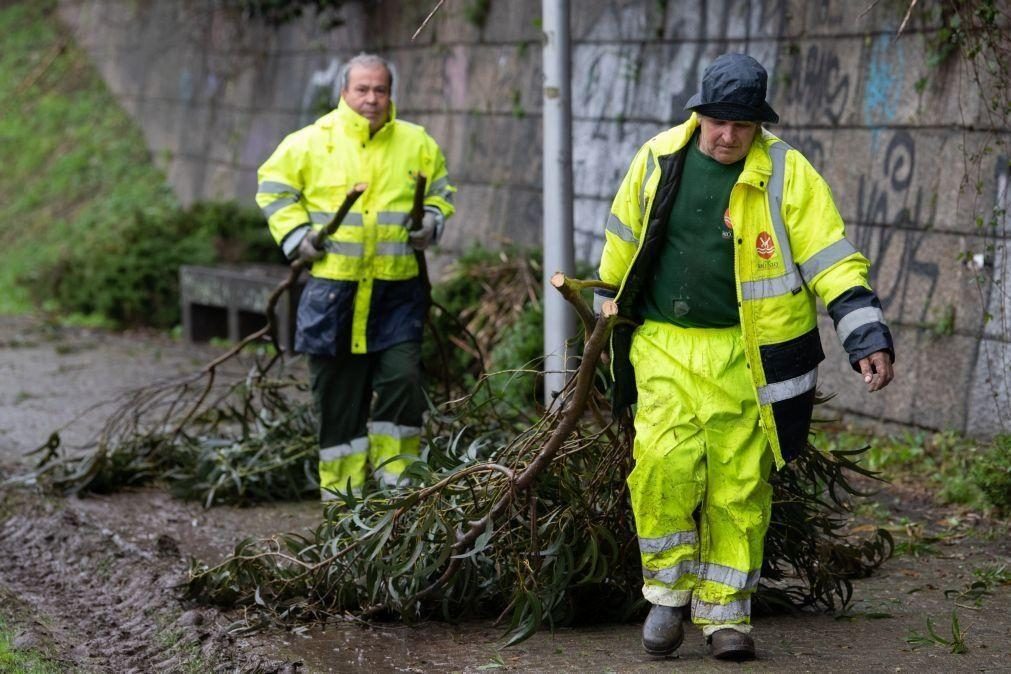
x=559 y=320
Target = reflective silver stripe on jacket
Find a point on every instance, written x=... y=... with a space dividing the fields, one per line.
x=767 y=287
x=650 y=165
x=275 y=187
x=277 y=204
x=620 y=229
x=725 y=575
x=735 y=611
x=394 y=248
x=356 y=446
x=290 y=243
x=856 y=318
x=440 y=188
x=825 y=258
x=791 y=277
x=671 y=574
x=345 y=248
x=654 y=545
x=392 y=430
x=392 y=218
x=324 y=217
x=352 y=249
x=790 y=388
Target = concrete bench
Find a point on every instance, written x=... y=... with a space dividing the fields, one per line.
x=230 y=301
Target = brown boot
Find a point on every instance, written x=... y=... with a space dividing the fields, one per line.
x=729 y=644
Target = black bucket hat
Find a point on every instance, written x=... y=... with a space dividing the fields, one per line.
x=733 y=88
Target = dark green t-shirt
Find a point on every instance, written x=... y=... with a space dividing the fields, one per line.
x=693 y=279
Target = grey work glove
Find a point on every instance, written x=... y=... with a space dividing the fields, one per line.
x=421 y=238
x=307 y=251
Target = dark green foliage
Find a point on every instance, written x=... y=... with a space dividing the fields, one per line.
x=488 y=318
x=992 y=474
x=807 y=534
x=128 y=271
x=476 y=12
x=243 y=442
x=280 y=12
x=73 y=161
x=563 y=553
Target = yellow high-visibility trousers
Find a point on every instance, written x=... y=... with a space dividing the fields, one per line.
x=700 y=452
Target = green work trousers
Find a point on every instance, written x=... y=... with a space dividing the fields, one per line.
x=700 y=452
x=349 y=390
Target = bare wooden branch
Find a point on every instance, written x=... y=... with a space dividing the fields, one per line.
x=905 y=19
x=569 y=290
x=427 y=19
x=568 y=419
x=867 y=9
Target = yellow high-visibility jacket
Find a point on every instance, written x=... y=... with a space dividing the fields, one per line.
x=357 y=285
x=790 y=246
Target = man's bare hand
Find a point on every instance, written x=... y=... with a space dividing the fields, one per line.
x=876 y=370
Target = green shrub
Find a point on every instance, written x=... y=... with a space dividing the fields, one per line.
x=75 y=165
x=128 y=271
x=497 y=296
x=992 y=474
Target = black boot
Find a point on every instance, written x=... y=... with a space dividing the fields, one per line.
x=729 y=644
x=663 y=631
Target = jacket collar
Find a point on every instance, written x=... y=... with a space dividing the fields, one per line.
x=757 y=163
x=353 y=124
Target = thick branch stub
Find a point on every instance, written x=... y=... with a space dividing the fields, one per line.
x=570 y=291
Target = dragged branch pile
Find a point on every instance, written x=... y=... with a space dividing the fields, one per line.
x=520 y=516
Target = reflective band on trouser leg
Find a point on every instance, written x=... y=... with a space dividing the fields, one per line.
x=341 y=394
x=342 y=465
x=668 y=480
x=387 y=440
x=398 y=410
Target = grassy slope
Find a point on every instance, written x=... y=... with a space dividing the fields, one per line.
x=72 y=159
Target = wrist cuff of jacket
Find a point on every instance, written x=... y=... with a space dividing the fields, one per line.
x=599 y=297
x=289 y=245
x=860 y=325
x=440 y=221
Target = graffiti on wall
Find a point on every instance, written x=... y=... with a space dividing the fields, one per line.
x=815 y=81
x=625 y=91
x=321 y=92
x=894 y=217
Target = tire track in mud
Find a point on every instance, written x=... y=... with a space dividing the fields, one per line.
x=107 y=605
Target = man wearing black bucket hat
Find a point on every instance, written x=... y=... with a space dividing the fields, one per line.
x=720 y=239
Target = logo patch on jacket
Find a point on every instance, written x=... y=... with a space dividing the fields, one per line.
x=764 y=245
x=728 y=232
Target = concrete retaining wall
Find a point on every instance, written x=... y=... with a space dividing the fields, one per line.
x=902 y=145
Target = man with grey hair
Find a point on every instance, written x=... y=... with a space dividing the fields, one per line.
x=361 y=315
x=720 y=239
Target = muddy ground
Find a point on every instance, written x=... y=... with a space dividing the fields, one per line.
x=92 y=581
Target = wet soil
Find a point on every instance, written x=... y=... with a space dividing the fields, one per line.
x=93 y=581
